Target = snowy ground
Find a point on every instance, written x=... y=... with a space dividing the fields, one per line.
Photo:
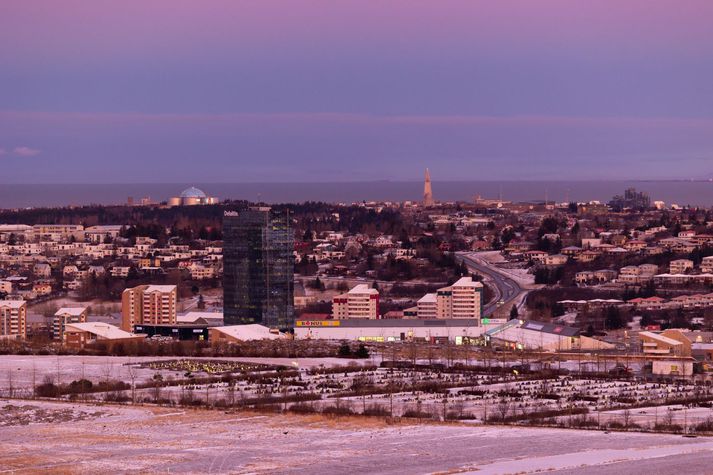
x=428 y=393
x=128 y=440
x=20 y=370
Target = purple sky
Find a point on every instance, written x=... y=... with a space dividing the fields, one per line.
x=297 y=90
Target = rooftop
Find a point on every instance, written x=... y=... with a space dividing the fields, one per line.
x=192 y=192
x=73 y=311
x=103 y=330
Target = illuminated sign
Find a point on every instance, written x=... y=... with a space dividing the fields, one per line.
x=317 y=323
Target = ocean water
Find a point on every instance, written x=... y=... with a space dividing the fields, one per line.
x=697 y=193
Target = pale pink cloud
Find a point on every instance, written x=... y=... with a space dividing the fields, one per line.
x=25 y=151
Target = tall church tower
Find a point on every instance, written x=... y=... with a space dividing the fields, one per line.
x=427 y=191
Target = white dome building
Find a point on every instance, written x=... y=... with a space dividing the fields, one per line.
x=192 y=196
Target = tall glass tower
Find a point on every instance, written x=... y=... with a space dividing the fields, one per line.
x=258 y=268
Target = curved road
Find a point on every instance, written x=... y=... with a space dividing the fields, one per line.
x=506 y=289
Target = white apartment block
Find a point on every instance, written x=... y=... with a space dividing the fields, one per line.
x=463 y=299
x=13 y=317
x=360 y=302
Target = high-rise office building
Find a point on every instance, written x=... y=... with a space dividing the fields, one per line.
x=258 y=268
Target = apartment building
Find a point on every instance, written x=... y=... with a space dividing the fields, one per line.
x=148 y=305
x=463 y=299
x=680 y=266
x=707 y=265
x=13 y=318
x=427 y=306
x=360 y=302
x=66 y=315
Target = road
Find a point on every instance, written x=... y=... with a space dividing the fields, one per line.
x=505 y=288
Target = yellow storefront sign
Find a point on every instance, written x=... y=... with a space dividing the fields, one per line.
x=317 y=323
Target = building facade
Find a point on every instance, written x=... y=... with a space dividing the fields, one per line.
x=463 y=299
x=360 y=302
x=13 y=319
x=148 y=304
x=258 y=268
x=66 y=315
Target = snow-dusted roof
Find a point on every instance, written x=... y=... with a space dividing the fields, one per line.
x=249 y=332
x=11 y=303
x=661 y=338
x=191 y=317
x=363 y=289
x=466 y=282
x=73 y=311
x=160 y=288
x=102 y=330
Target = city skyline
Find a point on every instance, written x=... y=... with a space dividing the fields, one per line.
x=243 y=92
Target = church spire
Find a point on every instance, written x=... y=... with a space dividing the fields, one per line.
x=427 y=191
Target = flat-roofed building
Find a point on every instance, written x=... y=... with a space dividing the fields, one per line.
x=240 y=333
x=79 y=335
x=13 y=319
x=427 y=306
x=66 y=315
x=360 y=302
x=148 y=305
x=463 y=299
x=384 y=330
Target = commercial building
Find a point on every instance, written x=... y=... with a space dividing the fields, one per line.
x=542 y=336
x=360 y=302
x=79 y=335
x=13 y=318
x=463 y=299
x=258 y=268
x=181 y=332
x=361 y=329
x=148 y=304
x=240 y=333
x=66 y=315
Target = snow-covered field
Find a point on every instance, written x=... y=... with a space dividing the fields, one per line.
x=21 y=371
x=114 y=439
x=427 y=394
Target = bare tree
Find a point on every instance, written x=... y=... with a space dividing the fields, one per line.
x=10 y=384
x=626 y=418
x=503 y=408
x=34 y=378
x=131 y=370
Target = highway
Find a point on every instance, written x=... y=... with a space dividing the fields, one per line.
x=505 y=288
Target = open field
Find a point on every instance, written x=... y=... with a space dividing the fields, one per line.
x=331 y=385
x=114 y=439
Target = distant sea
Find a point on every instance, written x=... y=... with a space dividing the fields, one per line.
x=697 y=193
